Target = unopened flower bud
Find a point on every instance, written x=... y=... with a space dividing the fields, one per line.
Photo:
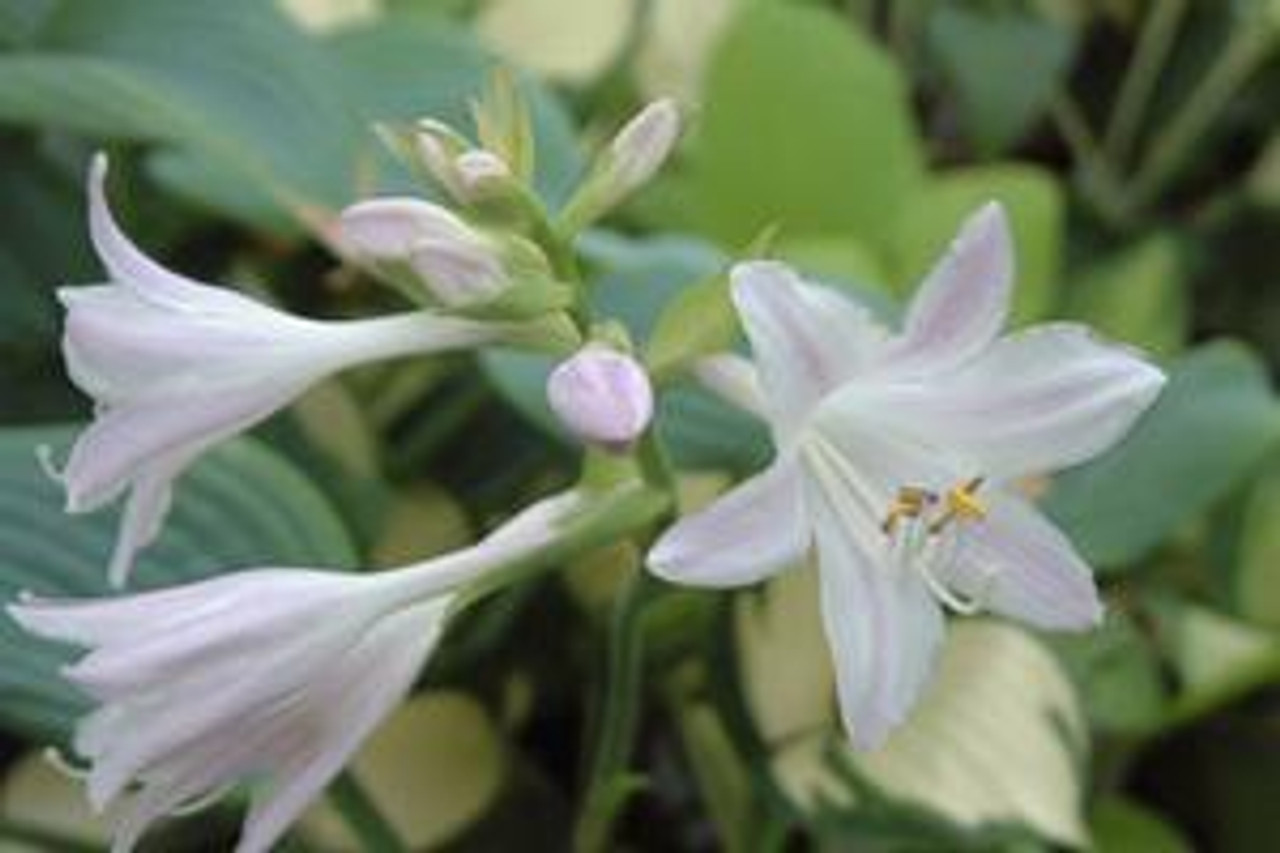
x=633 y=157
x=643 y=145
x=602 y=396
x=458 y=264
x=481 y=173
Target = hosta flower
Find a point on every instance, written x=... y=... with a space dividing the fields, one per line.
x=175 y=366
x=271 y=677
x=603 y=396
x=898 y=458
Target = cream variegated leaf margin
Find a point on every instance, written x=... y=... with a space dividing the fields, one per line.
x=449 y=732
x=996 y=738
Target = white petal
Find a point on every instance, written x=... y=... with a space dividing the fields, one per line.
x=128 y=265
x=733 y=379
x=113 y=450
x=962 y=304
x=1019 y=565
x=807 y=340
x=390 y=228
x=379 y=674
x=1036 y=401
x=882 y=624
x=144 y=514
x=746 y=535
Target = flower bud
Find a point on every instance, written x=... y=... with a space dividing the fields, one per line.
x=643 y=145
x=481 y=173
x=457 y=263
x=602 y=396
x=633 y=157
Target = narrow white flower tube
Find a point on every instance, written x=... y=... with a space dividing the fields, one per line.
x=176 y=366
x=271 y=677
x=602 y=396
x=455 y=262
x=897 y=462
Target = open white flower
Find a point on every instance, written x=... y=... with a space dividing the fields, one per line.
x=271 y=677
x=897 y=458
x=176 y=366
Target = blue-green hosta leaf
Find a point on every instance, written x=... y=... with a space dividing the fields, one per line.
x=242 y=506
x=1214 y=421
x=1004 y=66
x=404 y=67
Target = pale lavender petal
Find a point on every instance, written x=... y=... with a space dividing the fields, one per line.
x=807 y=340
x=1034 y=402
x=733 y=379
x=378 y=675
x=144 y=514
x=1017 y=564
x=882 y=624
x=390 y=228
x=602 y=396
x=128 y=265
x=751 y=532
x=962 y=304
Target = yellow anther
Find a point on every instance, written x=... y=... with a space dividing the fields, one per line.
x=910 y=503
x=963 y=504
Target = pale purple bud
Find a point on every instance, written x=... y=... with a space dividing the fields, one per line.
x=643 y=145
x=602 y=396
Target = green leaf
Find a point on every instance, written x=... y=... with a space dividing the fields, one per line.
x=20 y=20
x=1033 y=200
x=1137 y=296
x=700 y=320
x=242 y=506
x=1117 y=668
x=1120 y=825
x=1004 y=67
x=807 y=125
x=1257 y=583
x=1214 y=421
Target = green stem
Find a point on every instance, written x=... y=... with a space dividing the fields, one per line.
x=619 y=716
x=614 y=514
x=1096 y=181
x=370 y=827
x=1158 y=32
x=1247 y=48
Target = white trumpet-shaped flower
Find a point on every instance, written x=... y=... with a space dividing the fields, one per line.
x=271 y=678
x=176 y=366
x=897 y=461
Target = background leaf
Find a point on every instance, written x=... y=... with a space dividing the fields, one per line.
x=1211 y=425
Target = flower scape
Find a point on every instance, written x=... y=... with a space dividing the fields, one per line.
x=904 y=456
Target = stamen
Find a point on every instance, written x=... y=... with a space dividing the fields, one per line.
x=910 y=503
x=962 y=505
